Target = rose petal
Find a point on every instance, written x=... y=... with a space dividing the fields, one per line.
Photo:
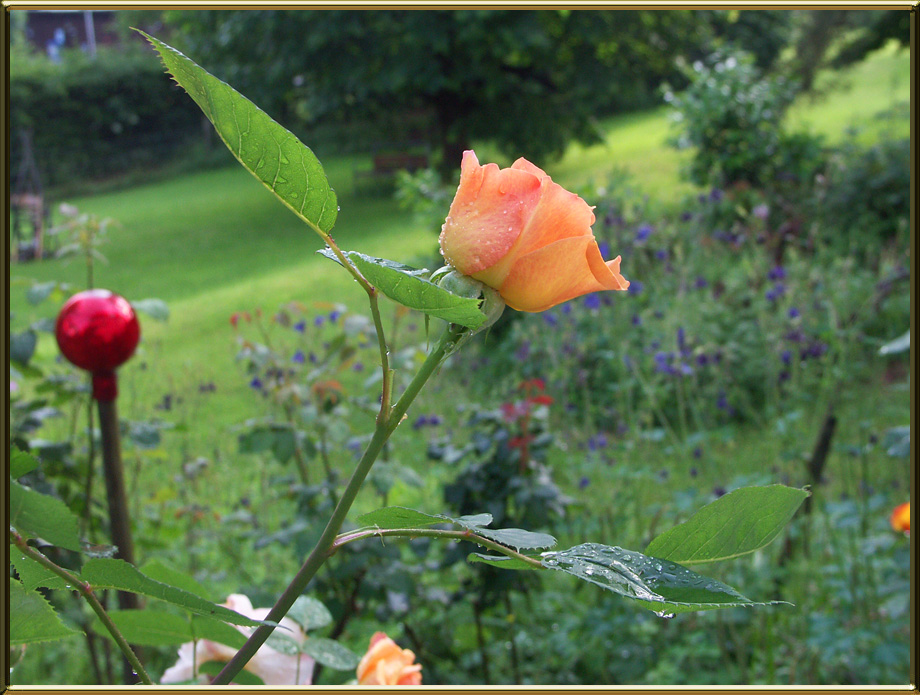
x=556 y=273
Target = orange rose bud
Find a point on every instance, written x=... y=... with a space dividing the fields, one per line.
x=387 y=664
x=525 y=236
x=900 y=518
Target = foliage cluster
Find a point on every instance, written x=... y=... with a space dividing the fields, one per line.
x=120 y=107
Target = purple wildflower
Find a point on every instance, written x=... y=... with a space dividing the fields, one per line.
x=299 y=357
x=256 y=383
x=334 y=316
x=777 y=273
x=593 y=301
x=583 y=483
x=794 y=313
x=635 y=287
x=661 y=255
x=300 y=326
x=551 y=319
x=643 y=233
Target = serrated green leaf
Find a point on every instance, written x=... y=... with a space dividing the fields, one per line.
x=217 y=631
x=157 y=570
x=398 y=517
x=503 y=561
x=517 y=538
x=41 y=516
x=33 y=574
x=309 y=613
x=738 y=523
x=330 y=653
x=154 y=308
x=411 y=288
x=271 y=153
x=21 y=463
x=149 y=628
x=659 y=585
x=111 y=573
x=471 y=521
x=32 y=619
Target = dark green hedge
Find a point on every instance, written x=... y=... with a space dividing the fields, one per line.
x=96 y=118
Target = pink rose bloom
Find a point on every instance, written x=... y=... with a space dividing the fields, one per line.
x=387 y=664
x=273 y=667
x=524 y=236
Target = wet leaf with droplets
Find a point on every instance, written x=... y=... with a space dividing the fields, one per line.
x=271 y=153
x=411 y=288
x=659 y=585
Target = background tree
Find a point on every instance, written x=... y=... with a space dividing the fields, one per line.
x=525 y=80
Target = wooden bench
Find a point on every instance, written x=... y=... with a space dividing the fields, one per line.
x=387 y=163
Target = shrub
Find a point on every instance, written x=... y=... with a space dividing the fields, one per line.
x=732 y=115
x=92 y=118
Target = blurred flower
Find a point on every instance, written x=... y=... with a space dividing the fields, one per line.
x=598 y=441
x=385 y=663
x=778 y=291
x=299 y=357
x=518 y=232
x=635 y=287
x=636 y=320
x=273 y=667
x=357 y=367
x=300 y=326
x=551 y=319
x=794 y=313
x=13 y=386
x=319 y=320
x=900 y=518
x=661 y=255
x=715 y=195
x=777 y=273
x=700 y=282
x=762 y=211
x=593 y=301
x=256 y=383
x=644 y=232
x=334 y=316
x=584 y=482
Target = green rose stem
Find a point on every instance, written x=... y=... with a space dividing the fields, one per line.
x=387 y=421
x=436 y=533
x=86 y=591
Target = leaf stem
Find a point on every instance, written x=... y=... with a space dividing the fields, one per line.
x=86 y=591
x=385 y=426
x=465 y=535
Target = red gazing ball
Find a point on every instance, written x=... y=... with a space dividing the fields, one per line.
x=97 y=330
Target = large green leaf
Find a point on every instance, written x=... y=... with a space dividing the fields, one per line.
x=309 y=613
x=21 y=463
x=147 y=627
x=272 y=154
x=738 y=523
x=32 y=619
x=33 y=574
x=112 y=573
x=42 y=516
x=410 y=287
x=330 y=653
x=659 y=585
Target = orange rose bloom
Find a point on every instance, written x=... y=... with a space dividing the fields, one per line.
x=524 y=236
x=387 y=664
x=900 y=518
